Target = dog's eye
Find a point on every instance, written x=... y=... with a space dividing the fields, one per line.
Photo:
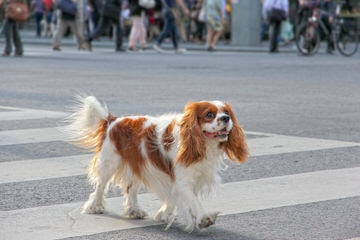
x=210 y=115
x=227 y=112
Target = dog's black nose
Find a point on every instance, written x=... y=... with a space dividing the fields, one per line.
x=225 y=119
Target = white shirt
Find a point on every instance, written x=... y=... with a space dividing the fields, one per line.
x=278 y=4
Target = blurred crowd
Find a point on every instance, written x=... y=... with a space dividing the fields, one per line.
x=118 y=18
x=199 y=21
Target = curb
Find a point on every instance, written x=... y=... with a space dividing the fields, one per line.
x=164 y=46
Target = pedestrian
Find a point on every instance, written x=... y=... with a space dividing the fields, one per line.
x=110 y=14
x=274 y=12
x=68 y=13
x=138 y=31
x=49 y=4
x=329 y=7
x=11 y=32
x=169 y=28
x=215 y=22
x=305 y=10
x=38 y=8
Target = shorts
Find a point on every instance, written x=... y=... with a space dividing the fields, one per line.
x=214 y=23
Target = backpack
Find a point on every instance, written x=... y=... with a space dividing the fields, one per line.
x=67 y=7
x=147 y=3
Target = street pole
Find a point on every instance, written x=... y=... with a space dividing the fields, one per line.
x=246 y=23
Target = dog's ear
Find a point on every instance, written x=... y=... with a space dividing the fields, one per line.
x=192 y=141
x=235 y=147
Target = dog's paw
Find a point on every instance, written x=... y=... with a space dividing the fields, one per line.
x=162 y=216
x=93 y=209
x=134 y=213
x=208 y=220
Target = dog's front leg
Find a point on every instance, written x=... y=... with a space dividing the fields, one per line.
x=189 y=207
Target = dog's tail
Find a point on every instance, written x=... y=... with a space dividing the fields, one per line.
x=87 y=124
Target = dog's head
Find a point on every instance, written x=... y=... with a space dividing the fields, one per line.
x=213 y=122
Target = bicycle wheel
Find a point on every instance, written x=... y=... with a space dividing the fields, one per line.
x=307 y=39
x=347 y=37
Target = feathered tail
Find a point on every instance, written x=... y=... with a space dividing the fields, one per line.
x=87 y=127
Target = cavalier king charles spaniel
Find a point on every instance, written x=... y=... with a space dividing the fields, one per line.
x=176 y=156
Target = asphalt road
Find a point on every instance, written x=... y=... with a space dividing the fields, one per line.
x=303 y=101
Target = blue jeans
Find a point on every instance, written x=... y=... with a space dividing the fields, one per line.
x=38 y=18
x=169 y=28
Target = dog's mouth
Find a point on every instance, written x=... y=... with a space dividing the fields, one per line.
x=219 y=134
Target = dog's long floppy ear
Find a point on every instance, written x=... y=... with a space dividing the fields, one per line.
x=235 y=147
x=192 y=141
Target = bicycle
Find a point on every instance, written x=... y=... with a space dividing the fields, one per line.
x=344 y=35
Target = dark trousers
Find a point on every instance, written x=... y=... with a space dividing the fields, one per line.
x=103 y=24
x=38 y=18
x=274 y=35
x=329 y=40
x=11 y=30
x=169 y=29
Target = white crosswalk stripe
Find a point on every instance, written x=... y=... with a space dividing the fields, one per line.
x=65 y=220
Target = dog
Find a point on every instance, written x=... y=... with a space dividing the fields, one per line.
x=176 y=156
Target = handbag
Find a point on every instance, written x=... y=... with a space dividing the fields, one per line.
x=276 y=15
x=18 y=11
x=148 y=4
x=67 y=7
x=202 y=14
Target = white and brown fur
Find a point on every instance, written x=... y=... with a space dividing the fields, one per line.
x=176 y=156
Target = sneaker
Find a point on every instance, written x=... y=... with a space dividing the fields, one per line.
x=158 y=48
x=131 y=49
x=56 y=48
x=18 y=54
x=5 y=54
x=180 y=50
x=120 y=49
x=210 y=49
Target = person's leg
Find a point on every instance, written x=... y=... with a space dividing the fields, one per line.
x=329 y=39
x=273 y=36
x=209 y=36
x=102 y=25
x=38 y=18
x=74 y=27
x=17 y=40
x=119 y=35
x=58 y=34
x=7 y=31
x=217 y=34
x=174 y=34
x=166 y=29
x=135 y=32
x=142 y=32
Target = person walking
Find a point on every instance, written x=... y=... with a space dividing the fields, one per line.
x=49 y=4
x=329 y=7
x=274 y=12
x=38 y=8
x=11 y=32
x=215 y=21
x=68 y=9
x=110 y=14
x=169 y=28
x=138 y=31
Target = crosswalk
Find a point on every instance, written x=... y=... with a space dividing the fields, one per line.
x=65 y=220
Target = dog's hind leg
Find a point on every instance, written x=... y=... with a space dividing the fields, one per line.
x=131 y=205
x=104 y=167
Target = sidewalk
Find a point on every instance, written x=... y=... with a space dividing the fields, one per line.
x=28 y=37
